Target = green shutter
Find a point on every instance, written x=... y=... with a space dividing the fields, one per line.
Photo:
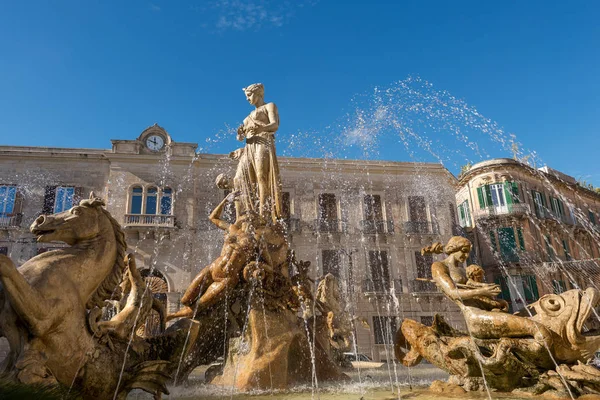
x=561 y=208
x=530 y=287
x=536 y=206
x=592 y=217
x=521 y=239
x=515 y=192
x=480 y=196
x=501 y=281
x=508 y=194
x=488 y=196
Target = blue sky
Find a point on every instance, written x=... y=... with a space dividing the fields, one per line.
x=345 y=78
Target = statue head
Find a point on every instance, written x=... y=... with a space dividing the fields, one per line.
x=224 y=181
x=459 y=247
x=475 y=273
x=254 y=93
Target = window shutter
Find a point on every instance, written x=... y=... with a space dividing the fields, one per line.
x=18 y=206
x=501 y=281
x=515 y=192
x=49 y=198
x=508 y=193
x=552 y=204
x=488 y=196
x=521 y=239
x=481 y=198
x=536 y=206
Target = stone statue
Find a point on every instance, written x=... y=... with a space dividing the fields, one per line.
x=239 y=248
x=50 y=313
x=527 y=349
x=257 y=175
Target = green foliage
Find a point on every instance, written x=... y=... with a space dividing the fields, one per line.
x=464 y=169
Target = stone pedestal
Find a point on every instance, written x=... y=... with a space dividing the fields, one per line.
x=274 y=353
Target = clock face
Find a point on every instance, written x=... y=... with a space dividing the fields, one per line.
x=155 y=142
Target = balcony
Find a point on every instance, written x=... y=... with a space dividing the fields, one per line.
x=381 y=286
x=421 y=228
x=371 y=226
x=150 y=220
x=550 y=215
x=330 y=226
x=11 y=221
x=508 y=210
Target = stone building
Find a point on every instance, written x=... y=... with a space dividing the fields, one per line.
x=536 y=226
x=363 y=221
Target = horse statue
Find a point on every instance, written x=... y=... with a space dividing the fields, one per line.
x=46 y=308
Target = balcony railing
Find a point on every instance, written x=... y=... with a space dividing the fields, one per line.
x=421 y=227
x=11 y=221
x=330 y=225
x=149 y=220
x=371 y=226
x=381 y=286
x=424 y=286
x=545 y=213
x=510 y=209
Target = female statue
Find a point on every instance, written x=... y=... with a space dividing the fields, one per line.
x=257 y=175
x=478 y=302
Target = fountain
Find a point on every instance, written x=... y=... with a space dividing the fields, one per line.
x=257 y=301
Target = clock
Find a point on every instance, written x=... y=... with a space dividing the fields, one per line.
x=155 y=142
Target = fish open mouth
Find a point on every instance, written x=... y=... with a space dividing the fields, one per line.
x=588 y=300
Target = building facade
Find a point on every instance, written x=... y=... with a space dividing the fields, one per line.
x=537 y=227
x=363 y=221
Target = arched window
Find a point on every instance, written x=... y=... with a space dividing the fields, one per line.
x=136 y=200
x=166 y=201
x=151 y=200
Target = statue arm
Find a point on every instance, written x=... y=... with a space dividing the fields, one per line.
x=273 y=124
x=442 y=278
x=215 y=216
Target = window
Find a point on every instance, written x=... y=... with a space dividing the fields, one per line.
x=384 y=329
x=558 y=286
x=464 y=215
x=592 y=217
x=379 y=271
x=327 y=207
x=4 y=251
x=566 y=249
x=530 y=288
x=508 y=244
x=8 y=196
x=557 y=207
x=417 y=209
x=60 y=198
x=498 y=195
x=427 y=320
x=539 y=203
x=423 y=263
x=372 y=207
x=64 y=198
x=146 y=201
x=331 y=262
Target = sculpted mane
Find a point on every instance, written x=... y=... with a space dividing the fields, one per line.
x=112 y=280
